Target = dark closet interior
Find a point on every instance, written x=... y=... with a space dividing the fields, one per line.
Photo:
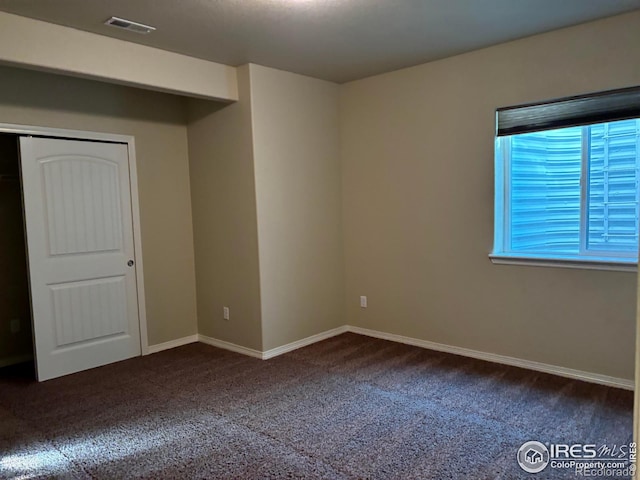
x=16 y=343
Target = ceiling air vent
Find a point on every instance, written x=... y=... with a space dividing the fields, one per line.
x=129 y=25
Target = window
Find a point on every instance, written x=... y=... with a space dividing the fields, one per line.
x=567 y=180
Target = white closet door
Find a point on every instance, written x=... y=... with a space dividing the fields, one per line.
x=77 y=204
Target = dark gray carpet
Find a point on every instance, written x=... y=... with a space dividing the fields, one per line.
x=349 y=407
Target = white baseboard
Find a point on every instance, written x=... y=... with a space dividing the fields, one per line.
x=5 y=362
x=229 y=346
x=274 y=352
x=492 y=357
x=172 y=344
x=466 y=352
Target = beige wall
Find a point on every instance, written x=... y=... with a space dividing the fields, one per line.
x=224 y=212
x=417 y=150
x=158 y=122
x=266 y=201
x=298 y=178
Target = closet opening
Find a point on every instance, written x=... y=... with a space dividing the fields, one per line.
x=16 y=339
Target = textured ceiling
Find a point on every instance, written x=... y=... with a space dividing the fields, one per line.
x=338 y=40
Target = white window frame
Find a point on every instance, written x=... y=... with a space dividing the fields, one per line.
x=585 y=258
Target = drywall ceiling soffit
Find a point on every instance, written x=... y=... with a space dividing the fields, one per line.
x=337 y=40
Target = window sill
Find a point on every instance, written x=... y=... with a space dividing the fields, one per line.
x=586 y=264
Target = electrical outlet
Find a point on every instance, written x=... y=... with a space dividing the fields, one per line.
x=14 y=325
x=225 y=313
x=363 y=301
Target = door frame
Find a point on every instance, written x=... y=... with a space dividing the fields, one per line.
x=129 y=141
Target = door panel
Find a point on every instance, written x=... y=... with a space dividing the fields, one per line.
x=83 y=205
x=89 y=309
x=79 y=238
